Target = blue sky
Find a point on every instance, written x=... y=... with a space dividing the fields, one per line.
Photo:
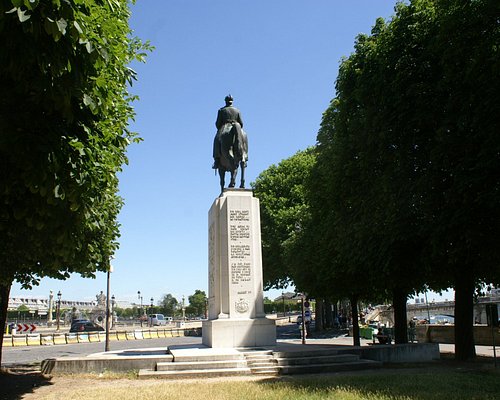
x=279 y=59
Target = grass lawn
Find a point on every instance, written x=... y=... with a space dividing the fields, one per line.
x=448 y=383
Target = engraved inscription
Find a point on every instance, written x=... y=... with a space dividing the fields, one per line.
x=240 y=250
x=211 y=259
x=240 y=272
x=211 y=244
x=239 y=215
x=237 y=232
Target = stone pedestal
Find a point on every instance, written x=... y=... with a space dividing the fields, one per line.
x=236 y=315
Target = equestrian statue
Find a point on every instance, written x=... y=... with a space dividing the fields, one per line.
x=230 y=149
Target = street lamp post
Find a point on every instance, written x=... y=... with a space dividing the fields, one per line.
x=108 y=278
x=283 y=298
x=427 y=306
x=183 y=310
x=139 y=297
x=113 y=303
x=303 y=312
x=493 y=323
x=51 y=307
x=151 y=312
x=58 y=311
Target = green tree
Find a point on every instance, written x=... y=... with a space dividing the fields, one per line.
x=168 y=305
x=295 y=248
x=370 y=228
x=64 y=110
x=268 y=305
x=21 y=312
x=462 y=190
x=127 y=313
x=284 y=211
x=197 y=303
x=413 y=154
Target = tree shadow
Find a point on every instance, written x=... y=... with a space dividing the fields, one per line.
x=15 y=385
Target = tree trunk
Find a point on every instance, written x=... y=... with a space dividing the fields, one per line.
x=328 y=315
x=319 y=315
x=464 y=318
x=4 y=302
x=399 y=297
x=355 y=322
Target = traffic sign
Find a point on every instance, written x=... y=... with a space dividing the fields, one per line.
x=25 y=328
x=307 y=313
x=306 y=304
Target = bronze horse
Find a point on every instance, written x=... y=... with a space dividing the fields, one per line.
x=233 y=154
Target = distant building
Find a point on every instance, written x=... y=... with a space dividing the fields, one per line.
x=41 y=305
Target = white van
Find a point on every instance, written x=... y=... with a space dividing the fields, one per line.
x=157 y=320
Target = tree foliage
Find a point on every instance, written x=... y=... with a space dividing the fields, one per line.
x=64 y=113
x=64 y=110
x=126 y=313
x=414 y=154
x=197 y=303
x=405 y=188
x=169 y=305
x=284 y=211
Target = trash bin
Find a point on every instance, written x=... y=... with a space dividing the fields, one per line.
x=366 y=332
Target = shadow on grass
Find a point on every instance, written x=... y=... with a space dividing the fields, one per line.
x=15 y=385
x=457 y=382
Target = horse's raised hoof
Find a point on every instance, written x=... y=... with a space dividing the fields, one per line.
x=231 y=185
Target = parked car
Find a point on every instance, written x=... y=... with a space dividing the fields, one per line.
x=78 y=321
x=85 y=326
x=157 y=319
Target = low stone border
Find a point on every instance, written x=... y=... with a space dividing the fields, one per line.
x=432 y=333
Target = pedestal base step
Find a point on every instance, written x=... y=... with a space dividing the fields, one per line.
x=194 y=373
x=205 y=363
x=334 y=367
x=200 y=365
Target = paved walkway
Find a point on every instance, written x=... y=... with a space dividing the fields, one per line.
x=326 y=343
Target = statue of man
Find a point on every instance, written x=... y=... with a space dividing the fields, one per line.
x=227 y=117
x=101 y=299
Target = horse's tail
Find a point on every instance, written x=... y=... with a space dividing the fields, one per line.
x=244 y=146
x=240 y=143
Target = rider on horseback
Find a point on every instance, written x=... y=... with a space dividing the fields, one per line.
x=228 y=117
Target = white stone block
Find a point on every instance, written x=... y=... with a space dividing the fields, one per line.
x=235 y=274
